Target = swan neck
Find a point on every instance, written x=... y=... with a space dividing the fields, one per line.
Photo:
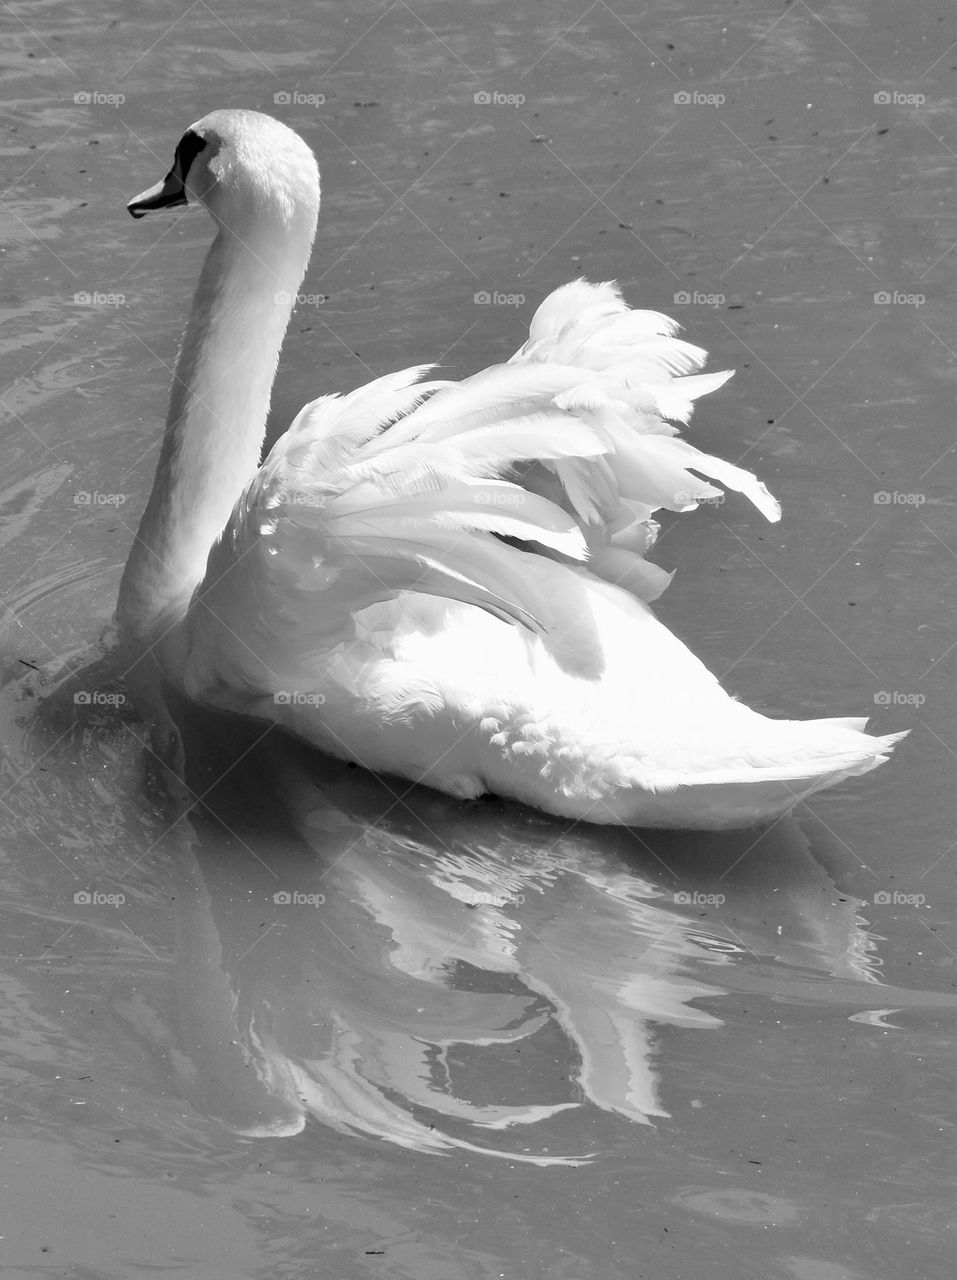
x=217 y=415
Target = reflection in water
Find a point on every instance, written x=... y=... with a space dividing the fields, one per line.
x=447 y=976
x=438 y=975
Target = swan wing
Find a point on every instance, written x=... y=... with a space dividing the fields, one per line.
x=594 y=362
x=425 y=486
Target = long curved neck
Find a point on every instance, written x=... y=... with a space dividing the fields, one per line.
x=217 y=414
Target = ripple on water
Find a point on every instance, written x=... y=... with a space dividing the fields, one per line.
x=739 y=1204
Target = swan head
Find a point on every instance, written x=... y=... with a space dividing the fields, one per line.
x=245 y=168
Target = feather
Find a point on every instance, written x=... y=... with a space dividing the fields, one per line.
x=492 y=506
x=630 y=571
x=675 y=399
x=735 y=478
x=411 y=485
x=495 y=394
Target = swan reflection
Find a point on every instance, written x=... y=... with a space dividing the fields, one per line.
x=395 y=964
x=442 y=976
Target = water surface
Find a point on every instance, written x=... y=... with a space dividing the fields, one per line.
x=324 y=1025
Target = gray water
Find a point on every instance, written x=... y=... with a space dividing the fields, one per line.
x=475 y=1042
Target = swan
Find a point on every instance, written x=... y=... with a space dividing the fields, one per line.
x=437 y=580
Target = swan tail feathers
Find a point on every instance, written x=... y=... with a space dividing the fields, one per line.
x=811 y=754
x=761 y=784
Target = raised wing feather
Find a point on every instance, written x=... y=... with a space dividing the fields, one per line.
x=405 y=485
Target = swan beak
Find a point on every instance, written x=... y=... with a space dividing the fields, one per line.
x=167 y=194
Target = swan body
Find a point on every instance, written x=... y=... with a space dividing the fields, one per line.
x=443 y=581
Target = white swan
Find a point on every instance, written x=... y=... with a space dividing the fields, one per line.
x=400 y=585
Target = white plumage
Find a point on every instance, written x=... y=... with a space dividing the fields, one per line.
x=445 y=581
